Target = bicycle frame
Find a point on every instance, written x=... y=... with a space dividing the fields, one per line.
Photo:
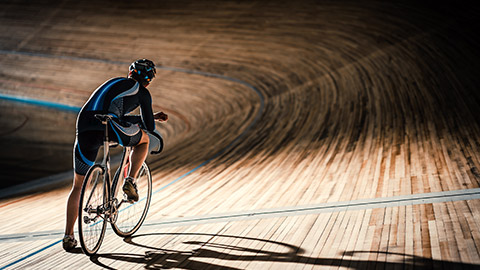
x=111 y=203
x=106 y=150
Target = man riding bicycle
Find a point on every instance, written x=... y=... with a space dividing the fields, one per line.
x=117 y=97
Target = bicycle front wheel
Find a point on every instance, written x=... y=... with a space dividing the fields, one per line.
x=92 y=209
x=130 y=216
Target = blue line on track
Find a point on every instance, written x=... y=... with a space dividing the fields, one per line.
x=53 y=105
x=31 y=254
x=76 y=109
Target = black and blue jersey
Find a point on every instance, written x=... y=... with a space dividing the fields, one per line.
x=117 y=97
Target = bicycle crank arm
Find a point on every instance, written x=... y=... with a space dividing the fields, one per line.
x=99 y=210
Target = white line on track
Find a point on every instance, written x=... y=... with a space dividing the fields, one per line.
x=413 y=199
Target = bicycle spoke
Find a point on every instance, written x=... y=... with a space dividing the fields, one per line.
x=131 y=215
x=93 y=188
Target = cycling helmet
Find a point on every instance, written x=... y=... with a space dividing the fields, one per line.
x=143 y=71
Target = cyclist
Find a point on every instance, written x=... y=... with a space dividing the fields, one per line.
x=117 y=97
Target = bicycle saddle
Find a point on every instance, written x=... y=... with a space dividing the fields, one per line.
x=103 y=117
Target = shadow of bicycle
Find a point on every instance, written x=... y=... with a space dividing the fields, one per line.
x=192 y=254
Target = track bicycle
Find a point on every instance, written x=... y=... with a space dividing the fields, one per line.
x=102 y=199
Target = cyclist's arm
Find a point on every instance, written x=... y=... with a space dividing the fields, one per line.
x=146 y=111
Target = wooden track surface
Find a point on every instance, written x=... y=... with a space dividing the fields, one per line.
x=293 y=105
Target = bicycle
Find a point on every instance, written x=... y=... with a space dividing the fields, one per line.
x=102 y=200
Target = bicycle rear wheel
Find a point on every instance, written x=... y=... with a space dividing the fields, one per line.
x=130 y=216
x=92 y=208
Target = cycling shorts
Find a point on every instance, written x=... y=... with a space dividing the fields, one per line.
x=88 y=142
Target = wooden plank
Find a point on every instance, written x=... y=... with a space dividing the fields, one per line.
x=348 y=102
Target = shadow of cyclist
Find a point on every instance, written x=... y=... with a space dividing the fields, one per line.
x=161 y=258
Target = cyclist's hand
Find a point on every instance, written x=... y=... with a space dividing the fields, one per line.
x=160 y=116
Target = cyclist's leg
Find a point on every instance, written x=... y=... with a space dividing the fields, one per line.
x=131 y=135
x=72 y=203
x=84 y=157
x=139 y=154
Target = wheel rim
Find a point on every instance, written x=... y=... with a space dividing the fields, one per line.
x=92 y=206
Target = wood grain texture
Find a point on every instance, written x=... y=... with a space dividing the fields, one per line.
x=361 y=101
